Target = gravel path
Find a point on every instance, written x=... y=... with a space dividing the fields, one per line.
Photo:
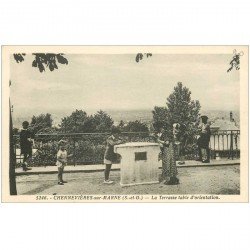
x=193 y=180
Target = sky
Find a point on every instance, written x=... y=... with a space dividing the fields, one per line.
x=115 y=81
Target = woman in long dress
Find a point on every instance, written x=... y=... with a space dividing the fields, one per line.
x=168 y=152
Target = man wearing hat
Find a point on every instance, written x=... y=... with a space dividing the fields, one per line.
x=204 y=139
x=26 y=142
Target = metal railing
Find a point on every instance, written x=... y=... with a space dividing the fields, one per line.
x=88 y=148
x=225 y=143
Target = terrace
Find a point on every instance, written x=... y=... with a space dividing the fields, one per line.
x=88 y=148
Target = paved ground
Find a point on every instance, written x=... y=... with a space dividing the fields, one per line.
x=100 y=167
x=222 y=179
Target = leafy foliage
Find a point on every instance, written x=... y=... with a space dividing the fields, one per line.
x=86 y=149
x=135 y=126
x=48 y=60
x=235 y=62
x=45 y=154
x=180 y=109
x=44 y=60
x=77 y=122
x=19 y=57
x=41 y=123
x=80 y=122
x=159 y=117
x=103 y=122
x=139 y=56
x=121 y=124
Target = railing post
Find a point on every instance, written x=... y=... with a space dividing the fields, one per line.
x=74 y=151
x=231 y=145
x=14 y=145
x=236 y=145
x=214 y=147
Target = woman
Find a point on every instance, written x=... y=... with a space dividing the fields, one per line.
x=110 y=156
x=168 y=152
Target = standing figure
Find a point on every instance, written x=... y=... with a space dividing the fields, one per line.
x=26 y=141
x=168 y=150
x=62 y=158
x=204 y=139
x=110 y=156
x=179 y=142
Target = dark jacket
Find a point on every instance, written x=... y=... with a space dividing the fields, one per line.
x=204 y=138
x=25 y=143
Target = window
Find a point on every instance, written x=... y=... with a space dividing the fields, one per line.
x=140 y=156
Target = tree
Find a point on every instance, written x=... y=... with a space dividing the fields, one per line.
x=159 y=117
x=78 y=122
x=136 y=126
x=43 y=60
x=180 y=109
x=121 y=124
x=41 y=122
x=235 y=62
x=103 y=122
x=139 y=56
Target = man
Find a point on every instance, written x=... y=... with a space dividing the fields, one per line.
x=26 y=142
x=204 y=139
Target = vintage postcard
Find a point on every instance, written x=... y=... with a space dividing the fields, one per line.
x=125 y=123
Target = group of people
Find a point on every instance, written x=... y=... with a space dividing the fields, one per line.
x=169 y=145
x=171 y=148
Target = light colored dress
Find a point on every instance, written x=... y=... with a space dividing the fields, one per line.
x=62 y=156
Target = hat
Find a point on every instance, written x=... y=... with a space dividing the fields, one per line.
x=25 y=124
x=204 y=118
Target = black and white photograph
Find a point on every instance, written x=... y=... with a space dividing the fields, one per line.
x=125 y=124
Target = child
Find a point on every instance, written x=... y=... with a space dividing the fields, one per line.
x=110 y=156
x=61 y=161
x=26 y=142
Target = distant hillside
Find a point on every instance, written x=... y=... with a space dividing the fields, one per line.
x=131 y=115
x=144 y=115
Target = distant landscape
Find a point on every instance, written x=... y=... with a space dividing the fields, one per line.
x=143 y=115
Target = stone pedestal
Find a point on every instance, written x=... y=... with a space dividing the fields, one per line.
x=139 y=163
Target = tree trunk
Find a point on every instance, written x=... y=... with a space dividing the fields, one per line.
x=12 y=175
